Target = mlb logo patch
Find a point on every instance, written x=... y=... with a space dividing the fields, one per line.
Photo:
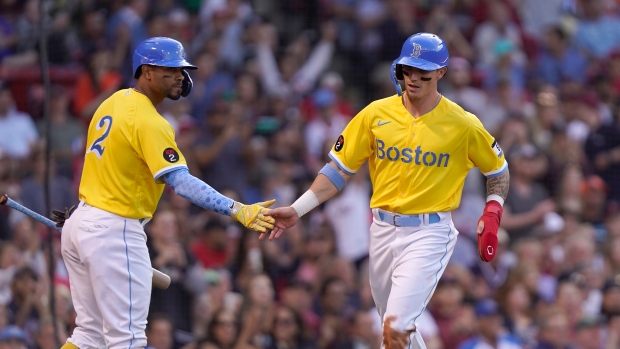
x=498 y=151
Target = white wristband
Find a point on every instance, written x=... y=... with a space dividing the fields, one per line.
x=496 y=198
x=305 y=203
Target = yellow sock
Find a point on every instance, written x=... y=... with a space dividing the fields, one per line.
x=69 y=345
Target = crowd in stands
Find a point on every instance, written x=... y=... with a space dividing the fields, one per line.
x=277 y=82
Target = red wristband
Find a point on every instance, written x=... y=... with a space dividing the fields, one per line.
x=487 y=240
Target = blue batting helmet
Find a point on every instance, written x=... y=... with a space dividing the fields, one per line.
x=162 y=52
x=424 y=51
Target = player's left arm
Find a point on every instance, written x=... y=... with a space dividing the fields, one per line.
x=485 y=153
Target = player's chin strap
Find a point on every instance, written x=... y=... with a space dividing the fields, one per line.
x=397 y=86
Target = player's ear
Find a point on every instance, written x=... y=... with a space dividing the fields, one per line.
x=441 y=72
x=146 y=71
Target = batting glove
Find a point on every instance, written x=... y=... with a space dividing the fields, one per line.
x=487 y=238
x=59 y=217
x=251 y=216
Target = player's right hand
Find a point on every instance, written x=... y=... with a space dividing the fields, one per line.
x=285 y=217
x=253 y=216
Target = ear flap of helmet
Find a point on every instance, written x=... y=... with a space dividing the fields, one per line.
x=395 y=68
x=398 y=72
x=187 y=84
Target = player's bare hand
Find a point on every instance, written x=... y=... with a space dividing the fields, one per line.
x=253 y=216
x=285 y=217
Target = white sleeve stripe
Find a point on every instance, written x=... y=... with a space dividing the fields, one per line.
x=498 y=172
x=165 y=170
x=342 y=167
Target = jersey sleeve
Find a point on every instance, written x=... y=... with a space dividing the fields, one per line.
x=484 y=151
x=354 y=145
x=155 y=142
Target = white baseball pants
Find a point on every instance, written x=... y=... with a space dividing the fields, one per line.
x=110 y=275
x=405 y=266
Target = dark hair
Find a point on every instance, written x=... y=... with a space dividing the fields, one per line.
x=214 y=322
x=25 y=272
x=153 y=318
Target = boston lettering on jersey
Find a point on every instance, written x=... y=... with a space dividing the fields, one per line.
x=407 y=155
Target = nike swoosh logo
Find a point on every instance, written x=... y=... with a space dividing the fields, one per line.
x=382 y=123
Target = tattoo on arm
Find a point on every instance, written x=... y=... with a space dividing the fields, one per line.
x=499 y=185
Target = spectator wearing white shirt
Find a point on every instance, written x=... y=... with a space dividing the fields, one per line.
x=18 y=132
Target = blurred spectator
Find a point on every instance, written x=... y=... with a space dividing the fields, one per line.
x=594 y=199
x=517 y=308
x=211 y=247
x=160 y=331
x=589 y=333
x=27 y=307
x=496 y=35
x=26 y=36
x=528 y=202
x=537 y=16
x=288 y=331
x=558 y=60
x=211 y=83
x=9 y=263
x=602 y=148
x=461 y=91
x=13 y=337
x=223 y=331
x=610 y=305
x=350 y=218
x=171 y=257
x=32 y=195
x=18 y=133
x=325 y=126
x=597 y=32
x=66 y=135
x=125 y=29
x=439 y=22
x=297 y=295
x=287 y=76
x=455 y=319
x=361 y=333
x=221 y=149
x=95 y=83
x=490 y=330
x=27 y=241
x=554 y=330
x=45 y=338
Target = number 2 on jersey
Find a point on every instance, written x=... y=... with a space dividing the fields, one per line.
x=96 y=146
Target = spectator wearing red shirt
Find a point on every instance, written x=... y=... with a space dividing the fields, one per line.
x=210 y=249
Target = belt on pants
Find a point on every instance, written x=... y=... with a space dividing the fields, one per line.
x=404 y=220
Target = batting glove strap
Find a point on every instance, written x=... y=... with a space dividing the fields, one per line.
x=252 y=216
x=487 y=240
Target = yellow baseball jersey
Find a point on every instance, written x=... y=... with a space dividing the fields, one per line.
x=417 y=165
x=129 y=147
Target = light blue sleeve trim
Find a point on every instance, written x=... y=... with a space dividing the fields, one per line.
x=198 y=192
x=496 y=173
x=334 y=176
x=340 y=165
x=168 y=169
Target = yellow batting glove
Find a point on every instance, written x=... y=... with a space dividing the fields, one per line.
x=251 y=216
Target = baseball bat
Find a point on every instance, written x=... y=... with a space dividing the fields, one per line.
x=160 y=280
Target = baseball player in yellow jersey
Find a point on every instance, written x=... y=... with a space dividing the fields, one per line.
x=420 y=147
x=130 y=155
